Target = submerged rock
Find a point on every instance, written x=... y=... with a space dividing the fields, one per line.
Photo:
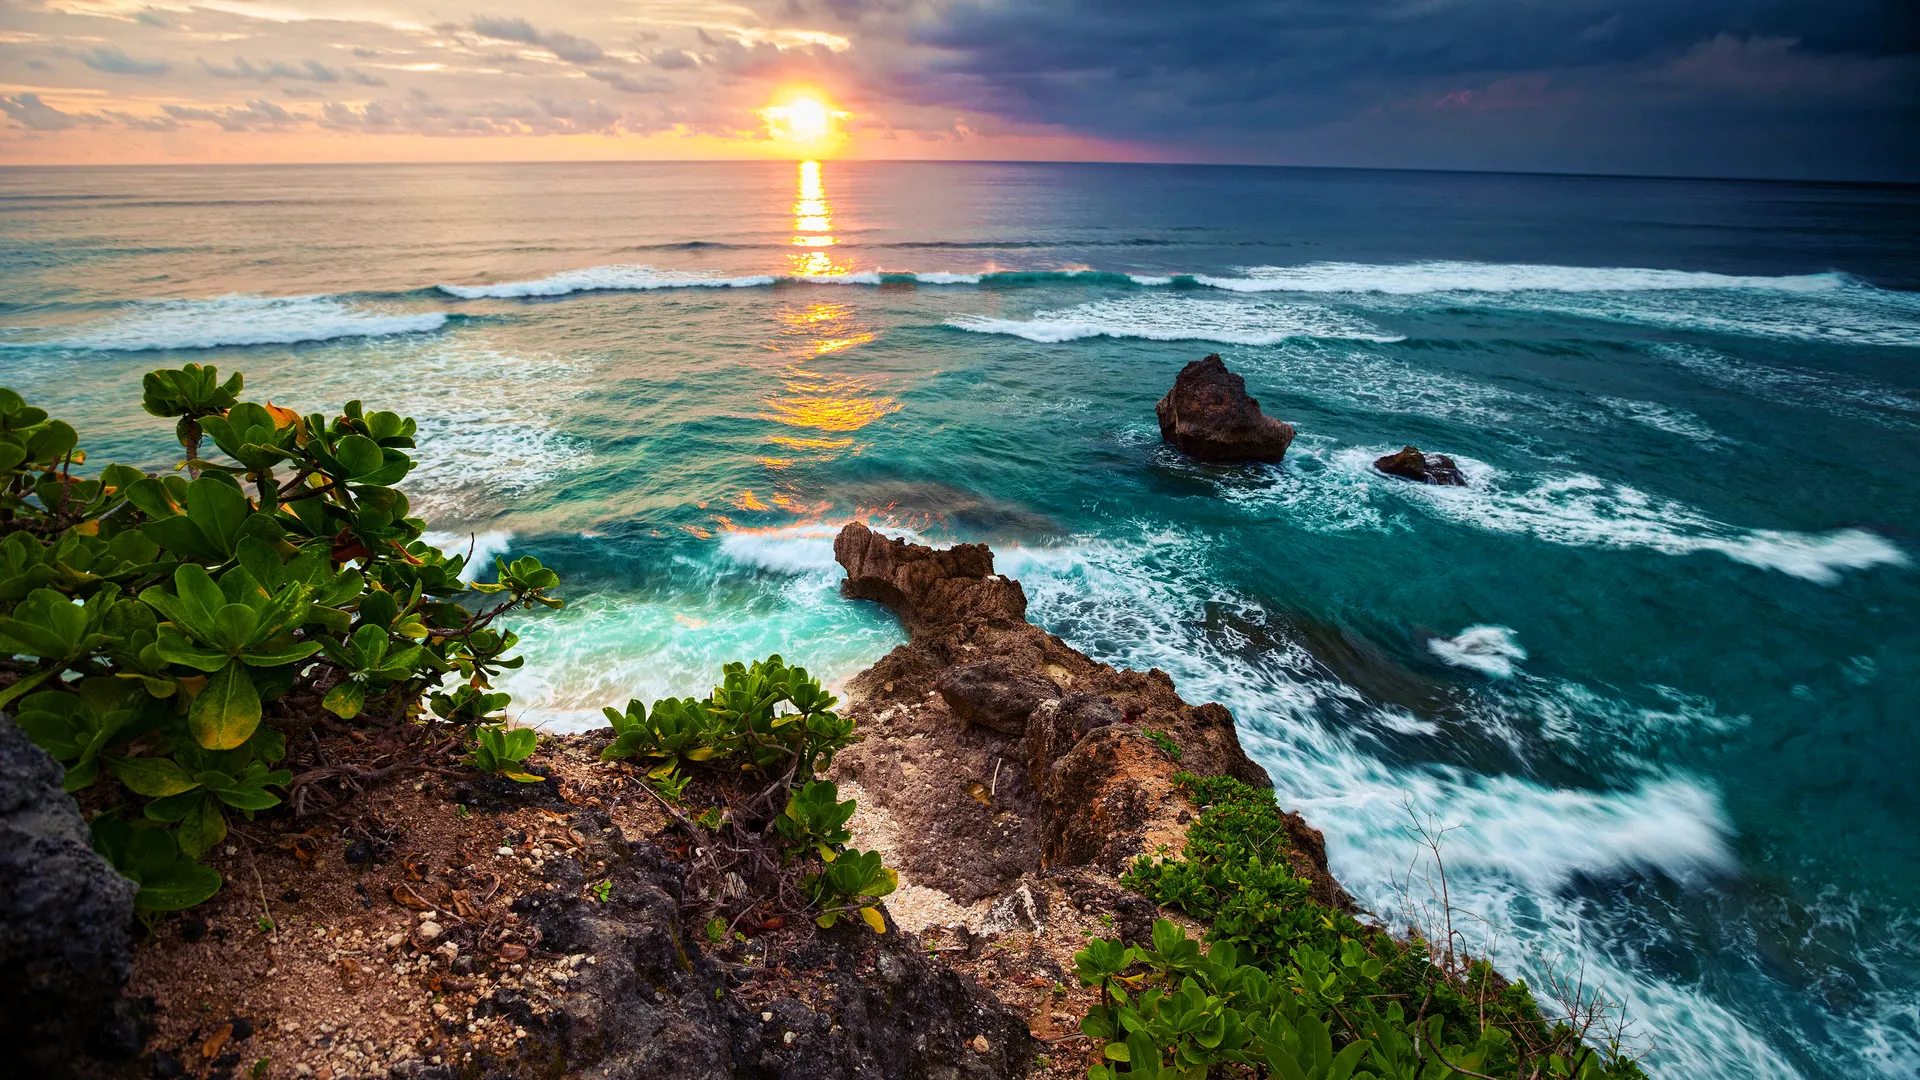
x=1208 y=415
x=64 y=918
x=1411 y=464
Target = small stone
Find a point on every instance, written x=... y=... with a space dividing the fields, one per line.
x=979 y=1044
x=787 y=1038
x=396 y=940
x=439 y=1008
x=766 y=1017
x=428 y=930
x=504 y=850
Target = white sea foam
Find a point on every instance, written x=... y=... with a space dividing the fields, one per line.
x=1173 y=318
x=1852 y=396
x=617 y=278
x=239 y=320
x=1490 y=650
x=479 y=548
x=1144 y=600
x=1407 y=279
x=1663 y=418
x=1579 y=510
x=942 y=278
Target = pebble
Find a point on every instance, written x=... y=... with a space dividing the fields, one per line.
x=979 y=1044
x=766 y=1017
x=396 y=941
x=428 y=930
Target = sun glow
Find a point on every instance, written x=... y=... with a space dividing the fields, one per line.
x=804 y=120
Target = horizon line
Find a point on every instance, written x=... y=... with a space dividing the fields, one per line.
x=1567 y=174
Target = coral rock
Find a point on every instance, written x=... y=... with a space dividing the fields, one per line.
x=1411 y=464
x=1208 y=415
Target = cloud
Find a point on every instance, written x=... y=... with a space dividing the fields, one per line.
x=628 y=84
x=35 y=115
x=563 y=45
x=311 y=70
x=257 y=113
x=115 y=62
x=150 y=17
x=361 y=78
x=674 y=59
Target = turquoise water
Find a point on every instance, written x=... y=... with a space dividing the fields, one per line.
x=1658 y=659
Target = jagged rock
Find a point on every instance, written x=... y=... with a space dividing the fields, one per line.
x=654 y=1005
x=994 y=695
x=924 y=587
x=1411 y=464
x=1209 y=416
x=64 y=917
x=1081 y=784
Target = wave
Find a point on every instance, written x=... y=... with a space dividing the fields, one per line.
x=1579 y=510
x=241 y=320
x=1490 y=650
x=1408 y=279
x=1181 y=319
x=479 y=548
x=619 y=278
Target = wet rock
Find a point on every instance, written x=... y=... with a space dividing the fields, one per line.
x=1208 y=415
x=992 y=694
x=64 y=918
x=1410 y=464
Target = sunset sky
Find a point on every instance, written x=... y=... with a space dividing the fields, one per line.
x=1827 y=89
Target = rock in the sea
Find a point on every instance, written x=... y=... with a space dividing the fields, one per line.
x=1209 y=416
x=64 y=918
x=1411 y=464
x=992 y=694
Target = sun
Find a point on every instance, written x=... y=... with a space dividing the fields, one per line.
x=802 y=118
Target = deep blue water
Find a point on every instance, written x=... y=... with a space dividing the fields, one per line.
x=1660 y=659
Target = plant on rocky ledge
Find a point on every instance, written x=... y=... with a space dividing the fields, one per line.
x=759 y=739
x=153 y=628
x=1293 y=989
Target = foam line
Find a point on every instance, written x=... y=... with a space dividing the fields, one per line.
x=240 y=320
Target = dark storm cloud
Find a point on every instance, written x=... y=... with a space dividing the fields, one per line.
x=1259 y=77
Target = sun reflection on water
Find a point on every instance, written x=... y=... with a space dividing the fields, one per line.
x=813 y=228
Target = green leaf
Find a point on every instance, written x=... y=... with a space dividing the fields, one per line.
x=175 y=648
x=227 y=710
x=202 y=828
x=152 y=777
x=178 y=887
x=345 y=700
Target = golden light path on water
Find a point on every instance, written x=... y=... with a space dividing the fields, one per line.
x=818 y=409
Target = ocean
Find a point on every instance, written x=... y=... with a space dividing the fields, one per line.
x=1659 y=661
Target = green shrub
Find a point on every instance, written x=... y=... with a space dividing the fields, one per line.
x=1294 y=989
x=774 y=718
x=149 y=625
x=502 y=751
x=773 y=727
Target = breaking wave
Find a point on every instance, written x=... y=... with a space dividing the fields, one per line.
x=241 y=320
x=1181 y=319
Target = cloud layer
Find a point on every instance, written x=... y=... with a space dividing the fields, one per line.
x=1722 y=87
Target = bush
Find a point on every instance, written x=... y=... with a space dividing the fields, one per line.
x=149 y=625
x=1288 y=980
x=773 y=727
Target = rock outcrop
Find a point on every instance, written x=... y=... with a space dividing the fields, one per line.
x=655 y=1004
x=996 y=751
x=1208 y=416
x=1410 y=464
x=64 y=919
